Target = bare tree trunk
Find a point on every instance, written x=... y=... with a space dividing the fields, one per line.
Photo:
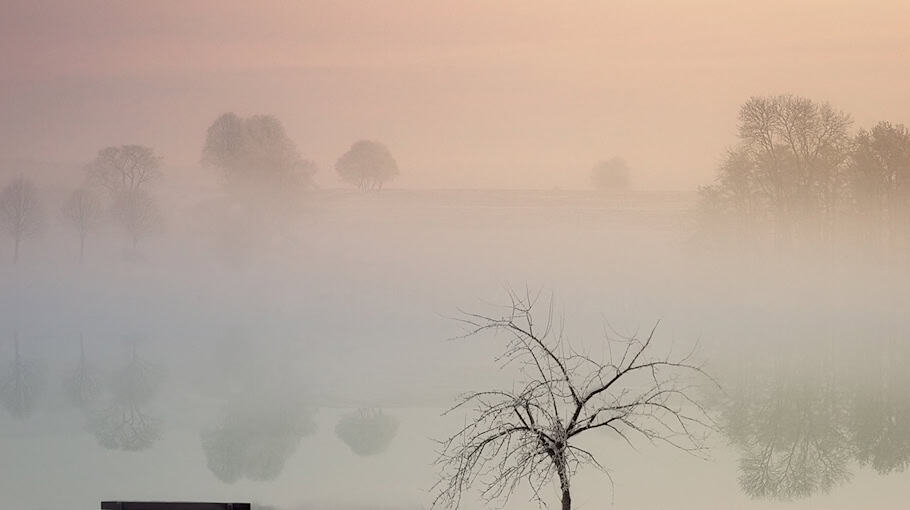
x=564 y=486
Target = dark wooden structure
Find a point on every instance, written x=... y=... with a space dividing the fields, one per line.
x=159 y=505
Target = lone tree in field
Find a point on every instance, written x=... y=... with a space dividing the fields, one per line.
x=124 y=169
x=256 y=156
x=612 y=174
x=83 y=212
x=530 y=434
x=20 y=212
x=367 y=165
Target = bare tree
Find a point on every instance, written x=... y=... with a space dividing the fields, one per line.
x=20 y=212
x=530 y=434
x=20 y=387
x=138 y=215
x=789 y=165
x=83 y=212
x=256 y=156
x=367 y=165
x=127 y=168
x=879 y=176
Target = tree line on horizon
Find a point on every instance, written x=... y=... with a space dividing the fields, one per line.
x=257 y=161
x=799 y=174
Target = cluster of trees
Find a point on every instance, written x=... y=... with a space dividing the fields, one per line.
x=123 y=174
x=256 y=157
x=799 y=173
x=258 y=162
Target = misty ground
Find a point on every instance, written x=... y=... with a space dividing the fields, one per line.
x=347 y=304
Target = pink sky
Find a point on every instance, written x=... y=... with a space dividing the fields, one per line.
x=465 y=93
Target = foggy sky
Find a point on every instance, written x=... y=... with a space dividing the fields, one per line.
x=465 y=94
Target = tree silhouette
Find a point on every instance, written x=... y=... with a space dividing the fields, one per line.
x=124 y=169
x=83 y=212
x=20 y=212
x=367 y=431
x=256 y=156
x=530 y=434
x=367 y=165
x=138 y=214
x=788 y=169
x=879 y=179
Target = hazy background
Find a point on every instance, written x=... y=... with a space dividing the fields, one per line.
x=340 y=300
x=466 y=94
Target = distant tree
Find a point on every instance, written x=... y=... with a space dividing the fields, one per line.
x=138 y=214
x=82 y=387
x=530 y=434
x=612 y=174
x=124 y=169
x=21 y=385
x=256 y=437
x=789 y=165
x=367 y=431
x=83 y=212
x=20 y=212
x=367 y=165
x=123 y=424
x=256 y=156
x=879 y=175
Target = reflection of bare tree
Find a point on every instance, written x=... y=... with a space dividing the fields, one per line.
x=21 y=385
x=82 y=386
x=255 y=437
x=367 y=431
x=790 y=433
x=123 y=424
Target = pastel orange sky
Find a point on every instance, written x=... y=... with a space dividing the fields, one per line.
x=525 y=94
